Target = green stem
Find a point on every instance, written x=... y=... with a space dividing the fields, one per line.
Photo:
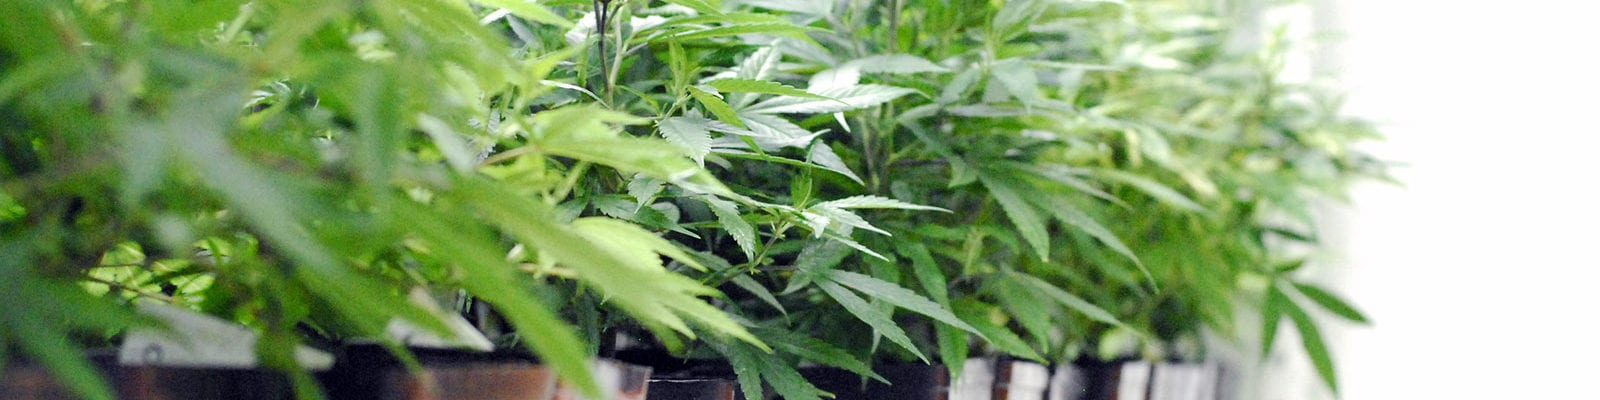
x=245 y=12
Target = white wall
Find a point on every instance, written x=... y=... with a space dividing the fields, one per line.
x=1480 y=272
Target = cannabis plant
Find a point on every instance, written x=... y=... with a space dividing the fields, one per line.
x=299 y=167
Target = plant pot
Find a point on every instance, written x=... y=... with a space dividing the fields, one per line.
x=24 y=380
x=1138 y=380
x=694 y=389
x=620 y=381
x=365 y=372
x=908 y=382
x=981 y=379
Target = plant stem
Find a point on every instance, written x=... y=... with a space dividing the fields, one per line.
x=122 y=286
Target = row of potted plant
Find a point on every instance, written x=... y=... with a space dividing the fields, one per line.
x=768 y=191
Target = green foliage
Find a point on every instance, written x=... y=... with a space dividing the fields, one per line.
x=763 y=181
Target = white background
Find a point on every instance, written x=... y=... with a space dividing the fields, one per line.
x=1480 y=272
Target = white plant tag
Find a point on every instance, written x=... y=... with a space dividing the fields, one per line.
x=1067 y=383
x=1134 y=379
x=1029 y=381
x=200 y=341
x=466 y=337
x=976 y=381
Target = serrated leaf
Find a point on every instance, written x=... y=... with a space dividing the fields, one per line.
x=761 y=64
x=1069 y=214
x=1027 y=309
x=753 y=367
x=1271 y=316
x=880 y=322
x=1311 y=339
x=1002 y=338
x=624 y=239
x=489 y=276
x=692 y=134
x=1022 y=215
x=530 y=11
x=716 y=106
x=1330 y=302
x=732 y=222
x=899 y=296
x=843 y=217
x=845 y=99
x=895 y=64
x=834 y=78
x=1152 y=188
x=658 y=159
x=773 y=132
x=871 y=201
x=654 y=296
x=952 y=348
x=698 y=5
x=741 y=85
x=781 y=29
x=823 y=156
x=817 y=351
x=926 y=271
x=1068 y=299
x=845 y=240
x=644 y=188
x=761 y=292
x=1019 y=80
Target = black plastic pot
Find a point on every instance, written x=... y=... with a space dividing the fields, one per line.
x=694 y=389
x=908 y=382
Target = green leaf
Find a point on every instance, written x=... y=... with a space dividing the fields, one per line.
x=1271 y=316
x=816 y=350
x=1007 y=341
x=952 y=348
x=1067 y=213
x=823 y=156
x=1024 y=306
x=732 y=222
x=1152 y=188
x=530 y=11
x=1027 y=220
x=895 y=64
x=1068 y=299
x=692 y=134
x=926 y=270
x=1020 y=80
x=699 y=5
x=1330 y=302
x=489 y=276
x=752 y=367
x=821 y=216
x=781 y=29
x=1311 y=339
x=899 y=296
x=878 y=202
x=624 y=237
x=880 y=322
x=741 y=85
x=760 y=291
x=713 y=103
x=659 y=160
x=841 y=99
x=652 y=296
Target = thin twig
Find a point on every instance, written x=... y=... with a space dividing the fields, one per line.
x=122 y=286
